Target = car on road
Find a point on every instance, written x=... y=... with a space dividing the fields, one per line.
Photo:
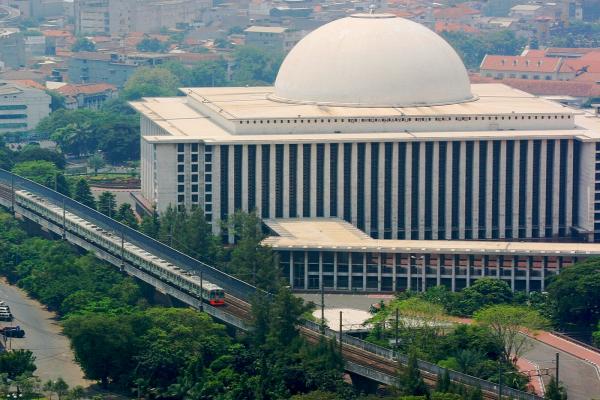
x=5 y=316
x=13 y=332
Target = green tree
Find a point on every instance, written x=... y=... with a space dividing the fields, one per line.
x=555 y=391
x=506 y=322
x=75 y=138
x=17 y=363
x=482 y=293
x=250 y=260
x=96 y=162
x=574 y=296
x=126 y=216
x=107 y=204
x=209 y=73
x=83 y=194
x=36 y=153
x=150 y=82
x=198 y=238
x=83 y=44
x=255 y=66
x=104 y=345
x=59 y=386
x=43 y=172
x=410 y=381
x=151 y=45
x=151 y=225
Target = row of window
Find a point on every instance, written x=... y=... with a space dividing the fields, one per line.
x=415 y=190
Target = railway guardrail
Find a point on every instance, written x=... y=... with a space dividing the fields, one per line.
x=236 y=287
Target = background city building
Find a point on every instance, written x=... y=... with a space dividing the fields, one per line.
x=21 y=107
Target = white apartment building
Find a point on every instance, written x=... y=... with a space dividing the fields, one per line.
x=21 y=108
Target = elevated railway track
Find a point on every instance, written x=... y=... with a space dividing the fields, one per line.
x=169 y=271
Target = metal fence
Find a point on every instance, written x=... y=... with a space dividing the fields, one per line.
x=231 y=284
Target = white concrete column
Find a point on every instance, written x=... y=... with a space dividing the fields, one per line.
x=305 y=270
x=516 y=186
x=364 y=274
x=489 y=177
x=462 y=179
x=475 y=192
x=422 y=190
x=569 y=183
x=395 y=199
x=231 y=185
x=291 y=269
x=335 y=271
x=326 y=179
x=542 y=189
x=502 y=191
x=449 y=189
x=394 y=272
x=438 y=273
x=469 y=266
x=320 y=269
x=354 y=183
x=543 y=274
x=300 y=180
x=272 y=175
x=245 y=177
x=435 y=191
x=313 y=180
x=556 y=188
x=453 y=285
x=216 y=189
x=514 y=264
x=529 y=191
x=408 y=192
x=340 y=180
x=367 y=189
x=379 y=273
x=381 y=192
x=528 y=275
x=258 y=170
x=286 y=180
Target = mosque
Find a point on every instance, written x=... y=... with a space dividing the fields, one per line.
x=372 y=140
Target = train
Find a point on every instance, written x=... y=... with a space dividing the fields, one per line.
x=183 y=279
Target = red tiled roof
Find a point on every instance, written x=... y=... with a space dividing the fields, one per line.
x=74 y=90
x=521 y=63
x=443 y=26
x=546 y=88
x=29 y=83
x=454 y=12
x=571 y=50
x=56 y=33
x=589 y=62
x=535 y=53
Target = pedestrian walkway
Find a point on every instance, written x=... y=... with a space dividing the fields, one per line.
x=572 y=348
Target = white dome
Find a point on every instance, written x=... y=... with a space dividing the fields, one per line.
x=372 y=60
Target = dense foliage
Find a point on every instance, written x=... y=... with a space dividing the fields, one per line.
x=173 y=353
x=82 y=132
x=473 y=48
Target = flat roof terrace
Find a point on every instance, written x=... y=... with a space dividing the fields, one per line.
x=333 y=234
x=235 y=103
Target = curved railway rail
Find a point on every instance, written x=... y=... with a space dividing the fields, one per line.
x=174 y=273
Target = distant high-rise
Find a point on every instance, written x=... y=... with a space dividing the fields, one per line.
x=120 y=17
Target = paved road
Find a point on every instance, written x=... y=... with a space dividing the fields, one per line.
x=43 y=337
x=581 y=378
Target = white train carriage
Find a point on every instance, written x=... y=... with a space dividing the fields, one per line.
x=111 y=242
